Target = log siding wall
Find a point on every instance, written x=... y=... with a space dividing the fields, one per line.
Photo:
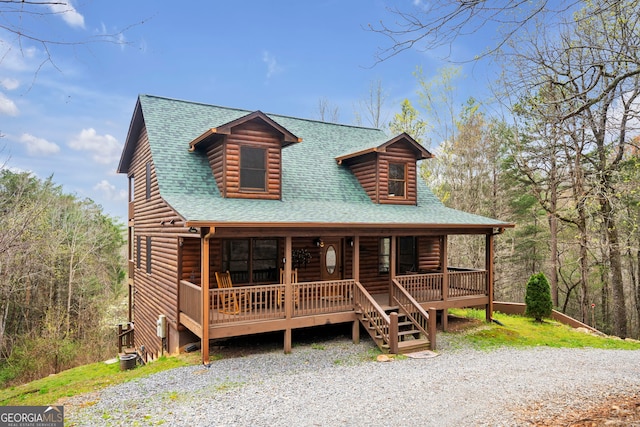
x=366 y=172
x=428 y=253
x=155 y=293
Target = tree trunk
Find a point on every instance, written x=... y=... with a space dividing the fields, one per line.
x=615 y=260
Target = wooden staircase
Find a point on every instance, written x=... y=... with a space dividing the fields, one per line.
x=405 y=328
x=409 y=338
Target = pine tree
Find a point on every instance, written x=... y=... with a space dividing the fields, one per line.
x=538 y=297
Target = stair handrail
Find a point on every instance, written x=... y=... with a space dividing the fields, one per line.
x=414 y=312
x=383 y=328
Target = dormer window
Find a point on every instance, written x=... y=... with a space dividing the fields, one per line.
x=245 y=156
x=388 y=171
x=397 y=179
x=253 y=168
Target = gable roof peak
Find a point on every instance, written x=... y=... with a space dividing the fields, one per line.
x=225 y=129
x=421 y=152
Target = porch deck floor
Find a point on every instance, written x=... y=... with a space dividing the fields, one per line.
x=383 y=301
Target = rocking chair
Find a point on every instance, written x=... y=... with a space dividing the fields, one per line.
x=229 y=302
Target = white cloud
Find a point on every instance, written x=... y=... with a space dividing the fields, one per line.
x=7 y=106
x=273 y=67
x=69 y=13
x=110 y=192
x=17 y=57
x=105 y=148
x=38 y=146
x=9 y=83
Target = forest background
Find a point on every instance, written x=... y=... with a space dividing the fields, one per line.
x=555 y=150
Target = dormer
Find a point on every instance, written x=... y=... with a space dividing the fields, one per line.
x=388 y=171
x=245 y=156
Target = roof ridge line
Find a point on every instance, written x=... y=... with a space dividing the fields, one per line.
x=285 y=116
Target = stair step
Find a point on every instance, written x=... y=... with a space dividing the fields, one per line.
x=413 y=345
x=411 y=332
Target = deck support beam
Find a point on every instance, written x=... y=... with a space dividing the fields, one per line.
x=444 y=264
x=288 y=292
x=392 y=267
x=204 y=285
x=489 y=269
x=355 y=330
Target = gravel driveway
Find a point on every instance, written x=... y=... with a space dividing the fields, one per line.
x=337 y=383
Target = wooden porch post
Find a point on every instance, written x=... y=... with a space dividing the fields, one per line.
x=392 y=266
x=489 y=268
x=355 y=330
x=204 y=287
x=288 y=293
x=444 y=264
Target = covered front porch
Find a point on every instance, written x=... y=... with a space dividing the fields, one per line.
x=399 y=317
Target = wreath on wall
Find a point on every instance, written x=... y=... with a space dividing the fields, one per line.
x=300 y=257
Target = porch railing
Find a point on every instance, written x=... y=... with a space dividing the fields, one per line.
x=125 y=336
x=266 y=302
x=467 y=282
x=428 y=287
x=246 y=303
x=412 y=309
x=423 y=287
x=191 y=300
x=322 y=297
x=374 y=317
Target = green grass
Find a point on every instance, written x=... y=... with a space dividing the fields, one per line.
x=83 y=379
x=517 y=331
x=520 y=331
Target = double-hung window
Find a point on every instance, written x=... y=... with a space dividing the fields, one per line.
x=397 y=179
x=253 y=168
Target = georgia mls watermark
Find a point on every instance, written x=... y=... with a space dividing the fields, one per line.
x=31 y=416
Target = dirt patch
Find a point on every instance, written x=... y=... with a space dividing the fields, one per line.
x=460 y=324
x=616 y=411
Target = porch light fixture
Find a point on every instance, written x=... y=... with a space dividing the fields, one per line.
x=350 y=241
x=318 y=242
x=193 y=230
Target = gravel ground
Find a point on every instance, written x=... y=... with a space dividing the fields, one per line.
x=337 y=383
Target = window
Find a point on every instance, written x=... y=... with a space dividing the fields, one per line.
x=138 y=251
x=384 y=254
x=131 y=189
x=148 y=181
x=130 y=243
x=397 y=179
x=148 y=254
x=253 y=170
x=406 y=254
x=251 y=260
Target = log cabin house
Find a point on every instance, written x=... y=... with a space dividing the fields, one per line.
x=316 y=223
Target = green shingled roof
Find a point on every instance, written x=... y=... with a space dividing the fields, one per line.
x=315 y=189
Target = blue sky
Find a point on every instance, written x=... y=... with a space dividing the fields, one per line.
x=69 y=119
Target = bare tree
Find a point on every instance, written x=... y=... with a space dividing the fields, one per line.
x=327 y=112
x=431 y=25
x=373 y=106
x=27 y=22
